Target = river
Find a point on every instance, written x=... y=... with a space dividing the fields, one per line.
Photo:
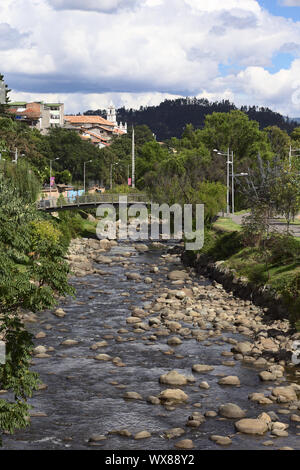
x=84 y=397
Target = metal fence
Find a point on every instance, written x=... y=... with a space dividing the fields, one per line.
x=90 y=199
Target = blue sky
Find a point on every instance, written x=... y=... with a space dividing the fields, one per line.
x=277 y=8
x=86 y=53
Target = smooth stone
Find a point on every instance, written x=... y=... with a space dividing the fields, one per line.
x=202 y=368
x=142 y=435
x=221 y=440
x=171 y=396
x=132 y=396
x=173 y=378
x=231 y=410
x=252 y=426
x=230 y=380
x=185 y=444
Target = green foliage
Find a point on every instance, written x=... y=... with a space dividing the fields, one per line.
x=22 y=177
x=221 y=246
x=71 y=225
x=279 y=140
x=32 y=273
x=63 y=177
x=284 y=248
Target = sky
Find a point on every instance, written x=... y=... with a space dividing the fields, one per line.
x=135 y=53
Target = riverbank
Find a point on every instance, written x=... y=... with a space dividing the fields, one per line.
x=269 y=276
x=108 y=358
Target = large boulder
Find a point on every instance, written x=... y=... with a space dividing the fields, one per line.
x=230 y=410
x=284 y=394
x=202 y=368
x=230 y=380
x=141 y=248
x=173 y=378
x=178 y=275
x=60 y=313
x=243 y=348
x=105 y=244
x=132 y=396
x=252 y=426
x=173 y=396
x=133 y=276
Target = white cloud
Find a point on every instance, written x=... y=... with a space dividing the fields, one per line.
x=290 y=3
x=11 y=38
x=141 y=55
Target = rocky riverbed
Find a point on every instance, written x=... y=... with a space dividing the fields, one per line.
x=150 y=355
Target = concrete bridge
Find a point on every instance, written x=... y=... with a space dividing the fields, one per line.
x=89 y=200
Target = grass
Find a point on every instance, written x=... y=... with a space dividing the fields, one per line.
x=282 y=271
x=243 y=212
x=89 y=229
x=225 y=224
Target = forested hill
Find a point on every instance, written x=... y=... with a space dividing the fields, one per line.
x=170 y=117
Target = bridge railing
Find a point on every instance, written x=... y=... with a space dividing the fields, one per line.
x=51 y=203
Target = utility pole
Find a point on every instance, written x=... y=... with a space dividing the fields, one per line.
x=84 y=163
x=133 y=160
x=228 y=163
x=51 y=172
x=228 y=169
x=232 y=183
x=111 y=169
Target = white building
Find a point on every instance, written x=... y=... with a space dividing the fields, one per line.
x=2 y=92
x=111 y=116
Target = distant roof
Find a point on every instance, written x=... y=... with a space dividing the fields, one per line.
x=23 y=103
x=88 y=120
x=17 y=103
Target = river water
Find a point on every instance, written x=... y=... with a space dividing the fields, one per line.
x=85 y=397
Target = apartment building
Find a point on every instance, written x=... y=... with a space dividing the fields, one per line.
x=38 y=115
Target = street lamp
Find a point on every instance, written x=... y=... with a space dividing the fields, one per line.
x=16 y=156
x=51 y=172
x=90 y=161
x=228 y=175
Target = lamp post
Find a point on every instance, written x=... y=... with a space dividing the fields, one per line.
x=228 y=163
x=133 y=160
x=51 y=171
x=17 y=155
x=84 y=164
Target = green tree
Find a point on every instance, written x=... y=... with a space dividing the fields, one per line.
x=32 y=273
x=234 y=130
x=286 y=193
x=279 y=140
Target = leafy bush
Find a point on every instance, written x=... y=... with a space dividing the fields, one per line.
x=221 y=246
x=283 y=248
x=71 y=225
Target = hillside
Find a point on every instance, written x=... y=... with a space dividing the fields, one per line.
x=170 y=117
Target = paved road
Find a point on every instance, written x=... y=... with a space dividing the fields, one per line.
x=275 y=223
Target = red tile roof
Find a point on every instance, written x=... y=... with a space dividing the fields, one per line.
x=32 y=111
x=88 y=120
